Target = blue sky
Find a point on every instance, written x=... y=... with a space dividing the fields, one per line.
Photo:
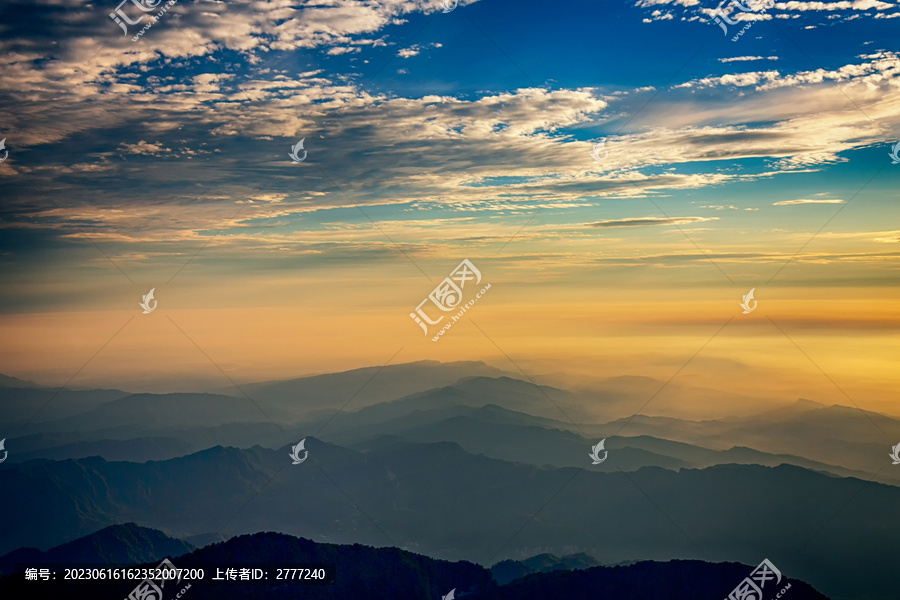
x=436 y=136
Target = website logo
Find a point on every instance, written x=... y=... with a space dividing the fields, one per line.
x=722 y=16
x=748 y=298
x=595 y=452
x=295 y=452
x=152 y=589
x=448 y=296
x=145 y=304
x=598 y=148
x=295 y=149
x=751 y=588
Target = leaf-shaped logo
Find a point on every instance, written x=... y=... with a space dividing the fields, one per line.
x=296 y=450
x=145 y=304
x=449 y=595
x=5 y=151
x=894 y=154
x=896 y=454
x=295 y=149
x=747 y=299
x=5 y=453
x=597 y=149
x=595 y=452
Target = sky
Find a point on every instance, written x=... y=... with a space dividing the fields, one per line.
x=621 y=173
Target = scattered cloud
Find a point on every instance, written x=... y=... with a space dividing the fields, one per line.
x=649 y=221
x=807 y=201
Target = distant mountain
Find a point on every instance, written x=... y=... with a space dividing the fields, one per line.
x=437 y=499
x=137 y=443
x=537 y=402
x=392 y=574
x=15 y=382
x=165 y=411
x=127 y=543
x=367 y=424
x=835 y=435
x=510 y=570
x=133 y=450
x=363 y=387
x=517 y=437
x=622 y=395
x=534 y=445
x=38 y=406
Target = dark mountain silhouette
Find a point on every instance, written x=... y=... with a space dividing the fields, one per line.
x=393 y=574
x=437 y=499
x=127 y=544
x=675 y=580
x=510 y=570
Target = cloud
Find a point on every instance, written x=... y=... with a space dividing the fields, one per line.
x=415 y=49
x=831 y=6
x=746 y=58
x=648 y=221
x=806 y=201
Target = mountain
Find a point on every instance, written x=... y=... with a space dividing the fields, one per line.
x=392 y=574
x=649 y=580
x=132 y=450
x=517 y=437
x=363 y=387
x=834 y=435
x=542 y=403
x=153 y=412
x=438 y=500
x=127 y=544
x=15 y=382
x=510 y=570
x=37 y=406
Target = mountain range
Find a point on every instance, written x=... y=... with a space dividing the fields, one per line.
x=390 y=573
x=460 y=462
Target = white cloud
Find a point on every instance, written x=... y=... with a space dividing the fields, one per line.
x=807 y=201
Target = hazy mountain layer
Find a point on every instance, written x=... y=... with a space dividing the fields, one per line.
x=438 y=500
